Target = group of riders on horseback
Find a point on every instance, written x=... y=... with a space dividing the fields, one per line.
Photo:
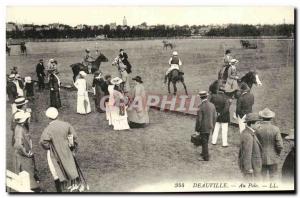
x=228 y=76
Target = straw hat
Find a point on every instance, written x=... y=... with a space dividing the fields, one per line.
x=233 y=61
x=20 y=101
x=28 y=79
x=21 y=116
x=11 y=77
x=52 y=113
x=116 y=81
x=266 y=113
x=203 y=93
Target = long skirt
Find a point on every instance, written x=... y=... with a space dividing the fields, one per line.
x=119 y=122
x=83 y=103
x=55 y=99
x=27 y=164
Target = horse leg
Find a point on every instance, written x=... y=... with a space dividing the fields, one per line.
x=182 y=81
x=175 y=88
x=169 y=81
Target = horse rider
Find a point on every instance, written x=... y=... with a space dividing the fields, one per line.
x=87 y=59
x=231 y=83
x=223 y=74
x=174 y=63
x=124 y=58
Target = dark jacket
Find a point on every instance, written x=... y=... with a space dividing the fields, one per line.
x=124 y=59
x=101 y=87
x=11 y=90
x=40 y=70
x=53 y=83
x=250 y=155
x=244 y=104
x=271 y=141
x=222 y=105
x=29 y=89
x=206 y=117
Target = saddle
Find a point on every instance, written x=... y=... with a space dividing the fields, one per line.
x=180 y=72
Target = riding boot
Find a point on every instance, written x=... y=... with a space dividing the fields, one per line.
x=58 y=185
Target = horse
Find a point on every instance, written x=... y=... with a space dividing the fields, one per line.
x=176 y=76
x=23 y=49
x=167 y=44
x=8 y=49
x=246 y=44
x=249 y=78
x=77 y=67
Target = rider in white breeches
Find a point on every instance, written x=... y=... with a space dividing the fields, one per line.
x=174 y=63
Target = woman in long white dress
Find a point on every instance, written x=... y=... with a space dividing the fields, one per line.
x=116 y=109
x=83 y=102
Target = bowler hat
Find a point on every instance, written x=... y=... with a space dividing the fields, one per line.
x=250 y=117
x=138 y=79
x=266 y=113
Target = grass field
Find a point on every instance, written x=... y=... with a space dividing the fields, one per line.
x=126 y=161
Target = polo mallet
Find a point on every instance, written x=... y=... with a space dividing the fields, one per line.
x=81 y=174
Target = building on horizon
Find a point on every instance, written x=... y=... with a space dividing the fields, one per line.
x=124 y=21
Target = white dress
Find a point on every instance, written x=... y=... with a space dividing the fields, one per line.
x=83 y=102
x=119 y=122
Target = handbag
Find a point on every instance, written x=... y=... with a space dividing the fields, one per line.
x=196 y=139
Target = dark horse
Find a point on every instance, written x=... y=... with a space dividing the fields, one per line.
x=77 y=67
x=249 y=78
x=8 y=49
x=176 y=76
x=167 y=44
x=23 y=48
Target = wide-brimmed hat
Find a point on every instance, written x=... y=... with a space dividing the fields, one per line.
x=175 y=53
x=11 y=77
x=233 y=61
x=82 y=73
x=251 y=117
x=203 y=93
x=20 y=101
x=266 y=113
x=27 y=79
x=138 y=79
x=52 y=113
x=21 y=116
x=116 y=81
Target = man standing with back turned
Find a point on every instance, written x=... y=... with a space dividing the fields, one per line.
x=206 y=119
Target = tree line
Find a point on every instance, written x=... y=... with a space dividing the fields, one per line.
x=157 y=31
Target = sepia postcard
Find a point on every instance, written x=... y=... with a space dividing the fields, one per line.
x=164 y=99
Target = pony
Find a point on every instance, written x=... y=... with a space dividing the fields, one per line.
x=176 y=76
x=249 y=78
x=8 y=49
x=23 y=49
x=167 y=44
x=77 y=67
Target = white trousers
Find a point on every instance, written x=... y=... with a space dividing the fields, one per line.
x=173 y=66
x=51 y=166
x=242 y=124
x=224 y=128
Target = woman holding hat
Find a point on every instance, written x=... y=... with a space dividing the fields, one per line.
x=116 y=107
x=24 y=157
x=231 y=83
x=138 y=111
x=83 y=102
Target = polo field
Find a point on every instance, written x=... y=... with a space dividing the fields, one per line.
x=122 y=161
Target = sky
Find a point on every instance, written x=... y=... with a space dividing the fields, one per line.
x=151 y=15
